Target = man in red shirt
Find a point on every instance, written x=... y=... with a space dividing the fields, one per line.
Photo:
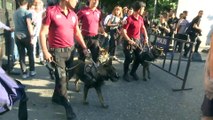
x=61 y=25
x=90 y=18
x=132 y=28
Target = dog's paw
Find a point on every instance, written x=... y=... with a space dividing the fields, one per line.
x=144 y=79
x=149 y=77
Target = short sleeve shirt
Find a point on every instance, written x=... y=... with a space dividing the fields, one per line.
x=133 y=26
x=20 y=17
x=61 y=27
x=90 y=20
x=196 y=20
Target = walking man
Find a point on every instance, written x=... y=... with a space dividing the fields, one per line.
x=61 y=25
x=132 y=28
x=194 y=32
x=24 y=38
x=90 y=18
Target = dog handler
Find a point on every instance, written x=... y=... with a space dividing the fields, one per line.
x=132 y=28
x=60 y=23
x=90 y=18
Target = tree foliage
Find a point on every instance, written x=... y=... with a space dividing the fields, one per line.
x=162 y=5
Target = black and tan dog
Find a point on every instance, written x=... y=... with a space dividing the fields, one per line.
x=93 y=77
x=146 y=57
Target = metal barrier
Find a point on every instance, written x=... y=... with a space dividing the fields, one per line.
x=168 y=62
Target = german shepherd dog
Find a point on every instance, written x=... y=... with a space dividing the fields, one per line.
x=93 y=77
x=146 y=57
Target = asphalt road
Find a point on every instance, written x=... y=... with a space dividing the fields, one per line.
x=135 y=100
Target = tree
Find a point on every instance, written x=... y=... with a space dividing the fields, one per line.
x=162 y=5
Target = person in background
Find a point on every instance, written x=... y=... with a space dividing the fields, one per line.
x=163 y=26
x=114 y=23
x=24 y=38
x=125 y=11
x=130 y=12
x=132 y=29
x=60 y=23
x=181 y=30
x=172 y=23
x=37 y=21
x=194 y=32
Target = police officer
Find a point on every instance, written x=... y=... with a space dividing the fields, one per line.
x=132 y=28
x=60 y=20
x=90 y=18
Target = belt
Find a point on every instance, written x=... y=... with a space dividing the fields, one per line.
x=91 y=37
x=66 y=49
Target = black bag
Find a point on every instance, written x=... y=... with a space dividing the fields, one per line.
x=188 y=29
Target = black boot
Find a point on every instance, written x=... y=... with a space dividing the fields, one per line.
x=68 y=108
x=126 y=77
x=57 y=99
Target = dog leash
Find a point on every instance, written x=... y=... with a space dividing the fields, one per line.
x=66 y=69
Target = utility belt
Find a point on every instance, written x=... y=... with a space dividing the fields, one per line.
x=128 y=46
x=91 y=37
x=66 y=49
x=138 y=42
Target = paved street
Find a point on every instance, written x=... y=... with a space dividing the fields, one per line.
x=136 y=100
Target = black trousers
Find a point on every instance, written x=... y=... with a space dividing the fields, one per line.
x=194 y=38
x=64 y=58
x=93 y=45
x=180 y=44
x=112 y=42
x=131 y=54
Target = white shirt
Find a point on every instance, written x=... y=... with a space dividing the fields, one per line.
x=107 y=19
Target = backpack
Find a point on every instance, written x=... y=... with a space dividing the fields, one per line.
x=188 y=29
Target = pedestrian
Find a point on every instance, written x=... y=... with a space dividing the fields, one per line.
x=207 y=105
x=37 y=20
x=132 y=29
x=114 y=23
x=194 y=32
x=129 y=12
x=163 y=26
x=60 y=23
x=182 y=25
x=125 y=11
x=90 y=18
x=24 y=38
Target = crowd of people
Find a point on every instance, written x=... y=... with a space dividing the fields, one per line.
x=58 y=30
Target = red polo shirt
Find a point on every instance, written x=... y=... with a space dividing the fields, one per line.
x=61 y=27
x=90 y=20
x=133 y=26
